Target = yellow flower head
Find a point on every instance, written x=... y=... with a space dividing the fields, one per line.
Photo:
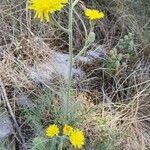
x=94 y=14
x=52 y=130
x=77 y=138
x=43 y=8
x=67 y=130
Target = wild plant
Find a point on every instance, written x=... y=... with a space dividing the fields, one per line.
x=45 y=11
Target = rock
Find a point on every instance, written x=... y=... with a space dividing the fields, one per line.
x=6 y=128
x=95 y=55
x=22 y=100
x=57 y=67
x=45 y=72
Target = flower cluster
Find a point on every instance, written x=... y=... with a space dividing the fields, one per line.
x=94 y=14
x=76 y=136
x=43 y=8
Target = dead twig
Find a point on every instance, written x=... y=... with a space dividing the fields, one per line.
x=6 y=102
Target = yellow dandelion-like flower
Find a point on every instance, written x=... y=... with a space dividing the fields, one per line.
x=43 y=8
x=94 y=14
x=77 y=139
x=52 y=130
x=67 y=130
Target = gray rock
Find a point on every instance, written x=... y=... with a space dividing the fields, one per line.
x=6 y=128
x=22 y=100
x=45 y=72
x=96 y=54
x=58 y=65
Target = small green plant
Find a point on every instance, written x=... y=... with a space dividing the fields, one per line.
x=56 y=139
x=119 y=56
x=116 y=60
x=38 y=143
x=7 y=145
x=58 y=134
x=127 y=44
x=2 y=146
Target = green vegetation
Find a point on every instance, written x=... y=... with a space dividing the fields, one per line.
x=105 y=101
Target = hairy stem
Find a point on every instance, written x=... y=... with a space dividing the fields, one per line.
x=75 y=3
x=81 y=52
x=61 y=27
x=70 y=53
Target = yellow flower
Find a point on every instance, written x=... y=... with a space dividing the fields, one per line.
x=77 y=138
x=67 y=130
x=94 y=14
x=43 y=8
x=52 y=130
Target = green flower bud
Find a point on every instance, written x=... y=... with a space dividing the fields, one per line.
x=111 y=52
x=117 y=63
x=120 y=56
x=91 y=38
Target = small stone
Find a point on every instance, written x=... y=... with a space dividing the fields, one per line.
x=96 y=54
x=6 y=128
x=23 y=101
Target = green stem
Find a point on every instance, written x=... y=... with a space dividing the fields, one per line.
x=53 y=144
x=58 y=24
x=61 y=144
x=87 y=44
x=81 y=52
x=92 y=24
x=82 y=22
x=75 y=3
x=70 y=52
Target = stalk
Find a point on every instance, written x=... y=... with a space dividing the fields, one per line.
x=70 y=53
